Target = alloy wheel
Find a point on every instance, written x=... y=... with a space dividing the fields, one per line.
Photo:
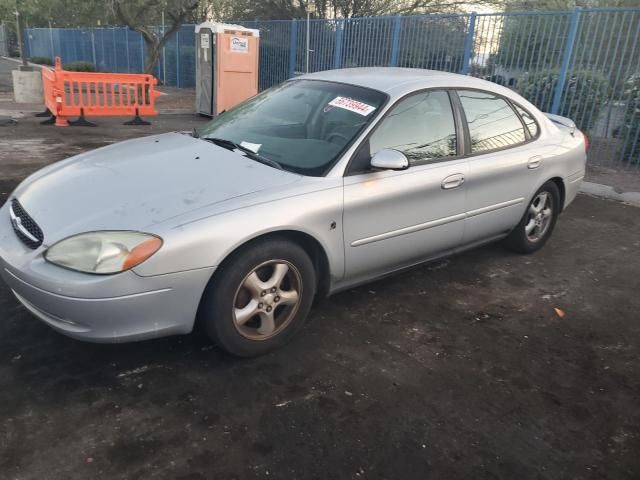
x=267 y=300
x=539 y=216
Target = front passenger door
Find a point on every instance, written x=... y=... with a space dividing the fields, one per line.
x=394 y=219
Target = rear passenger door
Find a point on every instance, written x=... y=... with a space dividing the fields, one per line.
x=504 y=164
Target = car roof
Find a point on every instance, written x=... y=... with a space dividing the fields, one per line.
x=397 y=81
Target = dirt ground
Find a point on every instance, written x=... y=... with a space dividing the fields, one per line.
x=455 y=370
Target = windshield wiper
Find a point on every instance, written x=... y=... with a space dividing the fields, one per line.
x=231 y=145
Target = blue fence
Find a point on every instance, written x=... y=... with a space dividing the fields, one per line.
x=117 y=49
x=583 y=64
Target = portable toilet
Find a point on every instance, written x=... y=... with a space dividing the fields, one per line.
x=226 y=66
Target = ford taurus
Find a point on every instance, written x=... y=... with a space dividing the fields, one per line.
x=321 y=183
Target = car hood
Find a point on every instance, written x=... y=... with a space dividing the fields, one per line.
x=138 y=183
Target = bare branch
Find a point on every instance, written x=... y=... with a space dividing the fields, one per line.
x=134 y=17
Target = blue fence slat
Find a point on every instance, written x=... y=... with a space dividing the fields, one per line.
x=337 y=62
x=293 y=48
x=178 y=59
x=395 y=42
x=468 y=44
x=566 y=57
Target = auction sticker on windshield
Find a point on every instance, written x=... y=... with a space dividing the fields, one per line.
x=352 y=105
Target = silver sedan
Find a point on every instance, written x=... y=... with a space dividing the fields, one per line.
x=319 y=184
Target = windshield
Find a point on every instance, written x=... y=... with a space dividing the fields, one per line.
x=303 y=125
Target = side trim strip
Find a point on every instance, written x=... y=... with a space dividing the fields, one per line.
x=497 y=206
x=436 y=223
x=412 y=229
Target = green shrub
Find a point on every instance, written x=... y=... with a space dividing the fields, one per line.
x=583 y=96
x=41 y=60
x=79 y=67
x=630 y=130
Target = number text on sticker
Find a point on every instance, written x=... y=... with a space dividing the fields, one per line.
x=352 y=105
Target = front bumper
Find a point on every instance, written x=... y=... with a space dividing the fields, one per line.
x=100 y=308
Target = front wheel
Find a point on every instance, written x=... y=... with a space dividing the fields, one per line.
x=260 y=297
x=538 y=221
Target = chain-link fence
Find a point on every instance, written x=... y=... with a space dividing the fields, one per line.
x=583 y=64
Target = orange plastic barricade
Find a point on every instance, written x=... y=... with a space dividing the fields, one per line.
x=92 y=94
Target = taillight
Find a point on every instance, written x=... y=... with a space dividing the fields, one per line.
x=587 y=144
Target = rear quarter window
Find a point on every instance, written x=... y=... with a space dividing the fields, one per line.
x=492 y=122
x=529 y=121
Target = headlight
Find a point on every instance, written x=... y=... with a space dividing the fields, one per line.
x=103 y=252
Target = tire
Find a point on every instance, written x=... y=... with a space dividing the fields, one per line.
x=527 y=239
x=260 y=297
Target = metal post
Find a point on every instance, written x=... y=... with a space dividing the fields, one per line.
x=468 y=44
x=93 y=48
x=337 y=52
x=306 y=63
x=103 y=53
x=566 y=58
x=164 y=54
x=126 y=40
x=27 y=41
x=141 y=53
x=395 y=43
x=53 y=53
x=293 y=48
x=19 y=37
x=178 y=58
x=115 y=50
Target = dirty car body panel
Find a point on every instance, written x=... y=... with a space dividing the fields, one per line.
x=204 y=201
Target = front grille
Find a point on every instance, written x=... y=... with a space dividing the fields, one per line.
x=25 y=227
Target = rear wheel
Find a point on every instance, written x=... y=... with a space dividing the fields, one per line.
x=538 y=221
x=260 y=297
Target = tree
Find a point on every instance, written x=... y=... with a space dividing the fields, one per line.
x=605 y=42
x=366 y=8
x=284 y=9
x=526 y=5
x=135 y=15
x=58 y=13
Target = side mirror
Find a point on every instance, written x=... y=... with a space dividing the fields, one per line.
x=388 y=159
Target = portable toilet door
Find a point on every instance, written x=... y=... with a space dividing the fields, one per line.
x=205 y=57
x=226 y=66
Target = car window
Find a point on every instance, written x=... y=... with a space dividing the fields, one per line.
x=492 y=122
x=304 y=125
x=289 y=110
x=420 y=126
x=529 y=121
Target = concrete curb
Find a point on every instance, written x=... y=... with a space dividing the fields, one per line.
x=607 y=192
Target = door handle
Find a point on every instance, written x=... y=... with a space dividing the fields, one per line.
x=453 y=181
x=534 y=162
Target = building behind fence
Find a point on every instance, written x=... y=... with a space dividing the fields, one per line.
x=584 y=64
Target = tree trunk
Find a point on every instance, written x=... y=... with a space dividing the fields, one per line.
x=153 y=54
x=154 y=46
